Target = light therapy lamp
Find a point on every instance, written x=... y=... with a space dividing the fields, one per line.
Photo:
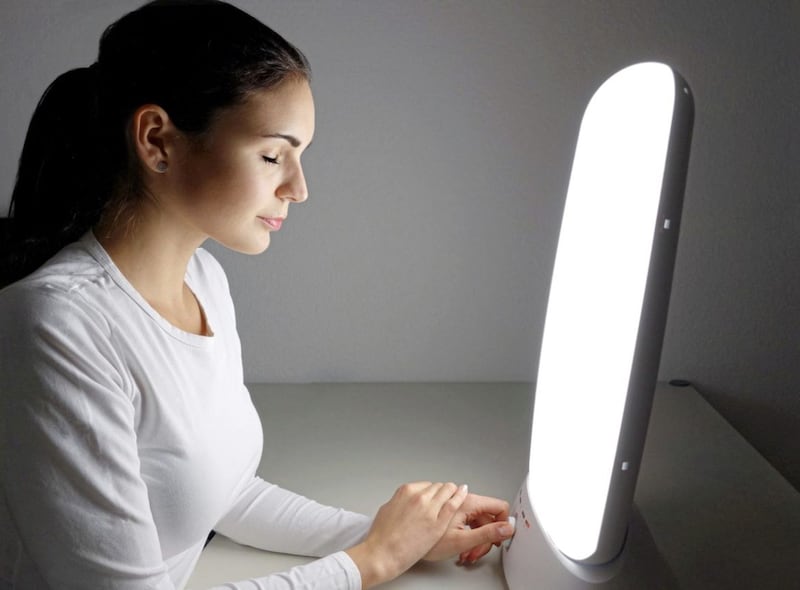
x=576 y=523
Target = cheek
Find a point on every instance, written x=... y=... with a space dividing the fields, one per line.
x=221 y=185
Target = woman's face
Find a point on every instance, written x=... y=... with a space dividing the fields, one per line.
x=236 y=185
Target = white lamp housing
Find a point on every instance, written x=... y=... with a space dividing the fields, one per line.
x=605 y=322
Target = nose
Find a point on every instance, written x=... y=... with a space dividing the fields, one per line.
x=294 y=187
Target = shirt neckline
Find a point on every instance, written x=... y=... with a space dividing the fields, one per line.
x=99 y=253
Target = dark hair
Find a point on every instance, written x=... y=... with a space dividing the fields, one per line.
x=193 y=58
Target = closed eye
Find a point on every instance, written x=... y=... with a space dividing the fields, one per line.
x=269 y=160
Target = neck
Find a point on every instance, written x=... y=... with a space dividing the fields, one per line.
x=153 y=252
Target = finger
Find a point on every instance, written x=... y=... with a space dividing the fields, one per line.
x=454 y=502
x=430 y=493
x=477 y=521
x=472 y=555
x=476 y=553
x=486 y=505
x=472 y=539
x=445 y=492
x=415 y=486
x=408 y=490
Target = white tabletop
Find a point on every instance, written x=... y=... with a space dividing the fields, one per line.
x=721 y=515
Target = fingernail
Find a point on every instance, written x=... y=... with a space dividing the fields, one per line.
x=465 y=488
x=508 y=529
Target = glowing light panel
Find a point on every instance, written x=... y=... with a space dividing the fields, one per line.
x=595 y=303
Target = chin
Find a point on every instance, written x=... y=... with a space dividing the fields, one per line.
x=259 y=249
x=247 y=246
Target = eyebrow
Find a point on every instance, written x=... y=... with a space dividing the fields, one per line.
x=290 y=138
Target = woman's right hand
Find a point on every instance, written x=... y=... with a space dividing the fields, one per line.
x=405 y=529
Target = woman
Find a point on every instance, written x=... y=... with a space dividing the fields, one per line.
x=127 y=432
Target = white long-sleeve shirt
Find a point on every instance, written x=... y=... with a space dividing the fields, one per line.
x=124 y=440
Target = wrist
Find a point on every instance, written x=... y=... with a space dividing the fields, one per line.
x=374 y=567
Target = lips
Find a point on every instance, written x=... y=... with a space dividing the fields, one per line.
x=272 y=222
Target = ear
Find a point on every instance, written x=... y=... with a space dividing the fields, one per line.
x=153 y=135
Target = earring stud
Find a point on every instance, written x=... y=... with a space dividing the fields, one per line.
x=161 y=166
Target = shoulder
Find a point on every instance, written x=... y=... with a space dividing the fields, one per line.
x=57 y=329
x=70 y=285
x=71 y=268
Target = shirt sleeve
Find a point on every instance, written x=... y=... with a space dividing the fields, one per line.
x=71 y=475
x=71 y=471
x=269 y=517
x=335 y=572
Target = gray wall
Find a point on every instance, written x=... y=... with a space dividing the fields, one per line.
x=444 y=140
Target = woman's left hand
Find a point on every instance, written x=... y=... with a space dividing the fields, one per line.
x=480 y=523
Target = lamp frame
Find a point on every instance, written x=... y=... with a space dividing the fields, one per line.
x=605 y=563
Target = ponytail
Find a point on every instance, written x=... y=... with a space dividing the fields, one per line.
x=63 y=179
x=192 y=58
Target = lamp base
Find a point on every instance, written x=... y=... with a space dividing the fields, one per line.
x=531 y=562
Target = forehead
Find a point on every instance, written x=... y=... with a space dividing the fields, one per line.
x=287 y=108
